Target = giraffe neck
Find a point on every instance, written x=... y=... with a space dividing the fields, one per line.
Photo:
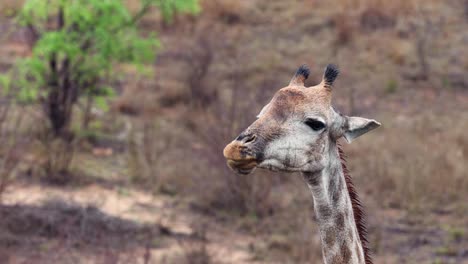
x=333 y=208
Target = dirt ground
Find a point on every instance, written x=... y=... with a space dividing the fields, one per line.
x=107 y=221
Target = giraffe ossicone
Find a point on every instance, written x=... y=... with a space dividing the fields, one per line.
x=297 y=131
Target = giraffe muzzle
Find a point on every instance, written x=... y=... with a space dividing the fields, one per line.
x=239 y=155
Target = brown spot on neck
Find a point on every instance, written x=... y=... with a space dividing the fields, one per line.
x=346 y=253
x=324 y=212
x=340 y=221
x=343 y=256
x=335 y=189
x=330 y=237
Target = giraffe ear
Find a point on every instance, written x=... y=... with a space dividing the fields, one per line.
x=357 y=126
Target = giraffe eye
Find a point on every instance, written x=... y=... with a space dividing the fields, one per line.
x=315 y=124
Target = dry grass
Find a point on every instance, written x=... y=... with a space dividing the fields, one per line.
x=414 y=162
x=208 y=114
x=13 y=142
x=240 y=194
x=228 y=12
x=294 y=235
x=10 y=7
x=147 y=144
x=394 y=8
x=196 y=252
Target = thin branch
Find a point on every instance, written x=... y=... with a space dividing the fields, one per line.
x=35 y=35
x=144 y=9
x=61 y=18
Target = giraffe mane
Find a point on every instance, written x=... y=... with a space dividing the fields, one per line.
x=358 y=210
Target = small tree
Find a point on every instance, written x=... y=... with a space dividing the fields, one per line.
x=76 y=45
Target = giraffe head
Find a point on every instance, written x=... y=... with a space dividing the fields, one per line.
x=295 y=130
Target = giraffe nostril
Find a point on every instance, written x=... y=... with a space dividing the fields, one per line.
x=250 y=139
x=245 y=138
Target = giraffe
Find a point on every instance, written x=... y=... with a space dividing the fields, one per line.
x=297 y=131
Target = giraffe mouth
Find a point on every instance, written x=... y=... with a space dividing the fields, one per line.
x=242 y=166
x=240 y=158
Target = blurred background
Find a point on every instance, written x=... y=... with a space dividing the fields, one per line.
x=114 y=114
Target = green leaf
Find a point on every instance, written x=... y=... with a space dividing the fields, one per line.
x=101 y=103
x=170 y=7
x=96 y=36
x=5 y=82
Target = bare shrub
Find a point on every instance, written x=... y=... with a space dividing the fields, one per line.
x=147 y=145
x=292 y=235
x=373 y=19
x=306 y=240
x=465 y=7
x=209 y=110
x=10 y=8
x=423 y=168
x=225 y=11
x=391 y=8
x=345 y=26
x=298 y=243
x=11 y=141
x=196 y=252
x=215 y=127
x=199 y=64
x=58 y=154
x=196 y=67
x=425 y=29
x=185 y=86
x=244 y=194
x=369 y=15
x=135 y=98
